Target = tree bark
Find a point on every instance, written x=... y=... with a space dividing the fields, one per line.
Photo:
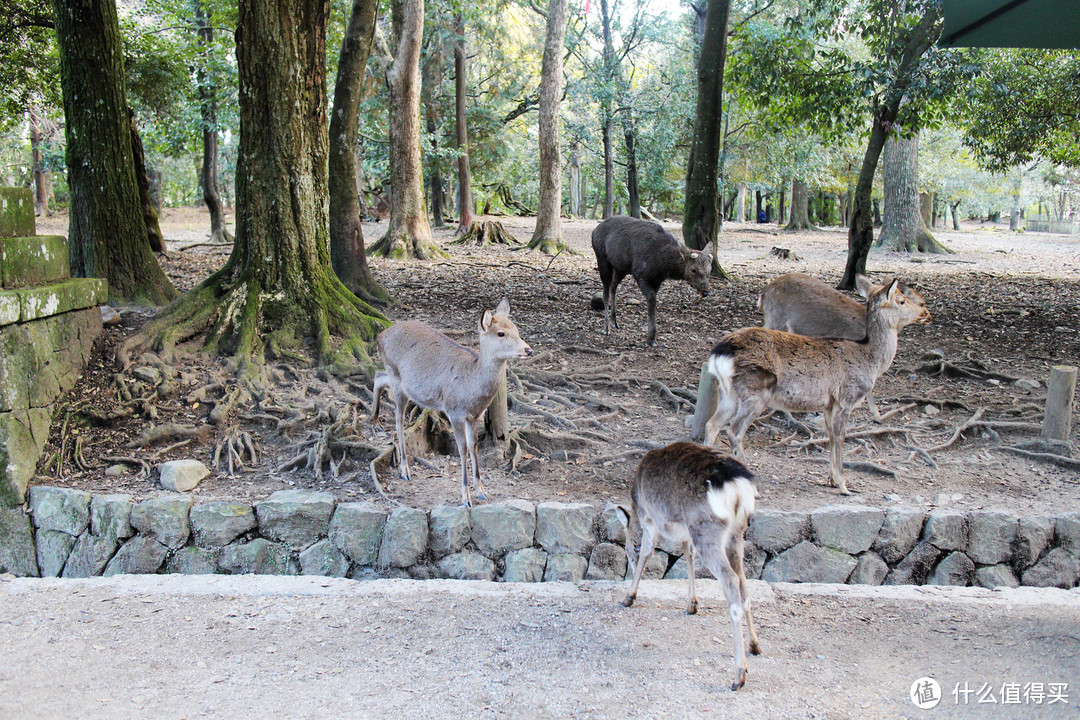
x=740 y=204
x=465 y=201
x=1014 y=216
x=431 y=83
x=149 y=210
x=107 y=233
x=799 y=217
x=348 y=254
x=607 y=120
x=903 y=225
x=208 y=173
x=548 y=237
x=41 y=177
x=575 y=182
x=633 y=195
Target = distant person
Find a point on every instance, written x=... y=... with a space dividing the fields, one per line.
x=762 y=217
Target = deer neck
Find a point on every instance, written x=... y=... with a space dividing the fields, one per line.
x=881 y=342
x=489 y=372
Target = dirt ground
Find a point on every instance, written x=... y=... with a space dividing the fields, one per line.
x=257 y=646
x=1004 y=306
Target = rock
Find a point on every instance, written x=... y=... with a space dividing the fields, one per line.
x=806 y=562
x=141 y=555
x=931 y=410
x=182 y=475
x=116 y=470
x=497 y=529
x=90 y=556
x=1058 y=569
x=109 y=316
x=1033 y=536
x=850 y=529
x=17 y=553
x=991 y=536
x=193 y=561
x=449 y=530
x=996 y=576
x=216 y=524
x=467 y=566
x=1026 y=384
x=776 y=530
x=607 y=562
x=955 y=569
x=565 y=567
x=363 y=572
x=870 y=570
x=613 y=523
x=565 y=527
x=404 y=538
x=357 y=530
x=1067 y=532
x=324 y=559
x=150 y=375
x=670 y=546
x=259 y=557
x=597 y=302
x=295 y=517
x=899 y=533
x=946 y=530
x=915 y=568
x=164 y=518
x=753 y=560
x=656 y=566
x=53 y=548
x=110 y=516
x=680 y=571
x=525 y=565
x=60 y=509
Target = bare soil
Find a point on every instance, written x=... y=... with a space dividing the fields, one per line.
x=1004 y=306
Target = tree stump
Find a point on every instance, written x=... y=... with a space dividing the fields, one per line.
x=497 y=422
x=1060 y=392
x=706 y=403
x=487 y=233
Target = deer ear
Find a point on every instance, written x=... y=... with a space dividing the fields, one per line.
x=694 y=255
x=864 y=286
x=485 y=321
x=503 y=307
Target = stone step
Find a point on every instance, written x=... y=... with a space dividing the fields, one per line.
x=40 y=301
x=33 y=260
x=16 y=212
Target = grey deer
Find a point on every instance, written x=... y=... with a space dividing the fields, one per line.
x=628 y=246
x=433 y=371
x=703 y=498
x=758 y=368
x=804 y=305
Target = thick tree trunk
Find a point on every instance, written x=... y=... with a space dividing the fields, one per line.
x=208 y=173
x=800 y=219
x=347 y=252
x=465 y=201
x=149 y=211
x=904 y=223
x=107 y=233
x=548 y=237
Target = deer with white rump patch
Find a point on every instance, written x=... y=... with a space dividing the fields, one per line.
x=433 y=371
x=703 y=498
x=758 y=368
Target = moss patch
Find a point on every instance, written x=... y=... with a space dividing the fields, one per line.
x=16 y=212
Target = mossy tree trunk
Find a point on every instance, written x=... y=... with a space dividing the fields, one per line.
x=903 y=226
x=149 y=211
x=547 y=236
x=208 y=96
x=107 y=233
x=799 y=218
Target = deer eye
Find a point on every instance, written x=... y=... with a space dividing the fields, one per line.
x=502 y=334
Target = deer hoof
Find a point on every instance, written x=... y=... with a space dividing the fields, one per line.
x=692 y=609
x=740 y=680
x=628 y=601
x=755 y=649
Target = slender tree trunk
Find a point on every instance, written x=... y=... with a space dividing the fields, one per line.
x=740 y=204
x=575 y=182
x=953 y=208
x=607 y=120
x=548 y=237
x=107 y=233
x=41 y=177
x=1014 y=217
x=609 y=168
x=208 y=173
x=431 y=83
x=632 y=192
x=465 y=201
x=149 y=211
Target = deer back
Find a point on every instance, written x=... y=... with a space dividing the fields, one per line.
x=804 y=305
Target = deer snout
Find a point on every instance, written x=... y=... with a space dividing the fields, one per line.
x=704 y=293
x=526 y=352
x=926 y=318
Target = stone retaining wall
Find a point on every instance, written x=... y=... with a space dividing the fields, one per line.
x=68 y=533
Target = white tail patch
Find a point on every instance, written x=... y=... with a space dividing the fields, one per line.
x=733 y=502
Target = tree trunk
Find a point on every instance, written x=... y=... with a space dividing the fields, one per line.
x=1014 y=216
x=149 y=211
x=277 y=288
x=953 y=208
x=41 y=177
x=609 y=168
x=800 y=219
x=465 y=201
x=107 y=233
x=548 y=237
x=208 y=173
x=926 y=209
x=780 y=211
x=607 y=120
x=904 y=223
x=408 y=234
x=575 y=182
x=348 y=255
x=740 y=204
x=436 y=175
x=633 y=195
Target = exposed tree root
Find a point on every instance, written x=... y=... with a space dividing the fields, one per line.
x=1052 y=458
x=487 y=233
x=863 y=465
x=233 y=448
x=169 y=433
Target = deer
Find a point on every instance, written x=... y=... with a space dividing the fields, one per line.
x=758 y=368
x=804 y=305
x=704 y=498
x=433 y=371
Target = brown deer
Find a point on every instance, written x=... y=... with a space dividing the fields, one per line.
x=758 y=368
x=704 y=498
x=433 y=371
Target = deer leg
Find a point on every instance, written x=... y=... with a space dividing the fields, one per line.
x=459 y=426
x=748 y=411
x=735 y=558
x=650 y=304
x=714 y=554
x=615 y=280
x=470 y=441
x=872 y=407
x=381 y=381
x=688 y=553
x=648 y=544
x=399 y=422
x=835 y=422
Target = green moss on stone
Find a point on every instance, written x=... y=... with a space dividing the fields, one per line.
x=16 y=212
x=56 y=298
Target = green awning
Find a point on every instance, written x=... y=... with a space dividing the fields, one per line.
x=1011 y=23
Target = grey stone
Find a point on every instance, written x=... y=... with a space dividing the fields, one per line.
x=566 y=527
x=613 y=523
x=193 y=561
x=753 y=560
x=899 y=533
x=991 y=536
x=182 y=475
x=323 y=558
x=259 y=557
x=147 y=374
x=994 y=576
x=53 y=548
x=363 y=572
x=110 y=516
x=656 y=566
x=60 y=509
x=806 y=562
x=90 y=556
x=141 y=555
x=1033 y=536
x=1067 y=532
x=216 y=524
x=680 y=571
x=295 y=517
x=164 y=518
x=606 y=562
x=870 y=570
x=17 y=554
x=565 y=567
x=955 y=569
x=525 y=565
x=777 y=530
x=1058 y=569
x=850 y=529
x=449 y=529
x=467 y=566
x=669 y=546
x=405 y=538
x=915 y=568
x=357 y=530
x=497 y=529
x=946 y=529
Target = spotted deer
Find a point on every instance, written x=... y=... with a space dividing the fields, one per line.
x=433 y=371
